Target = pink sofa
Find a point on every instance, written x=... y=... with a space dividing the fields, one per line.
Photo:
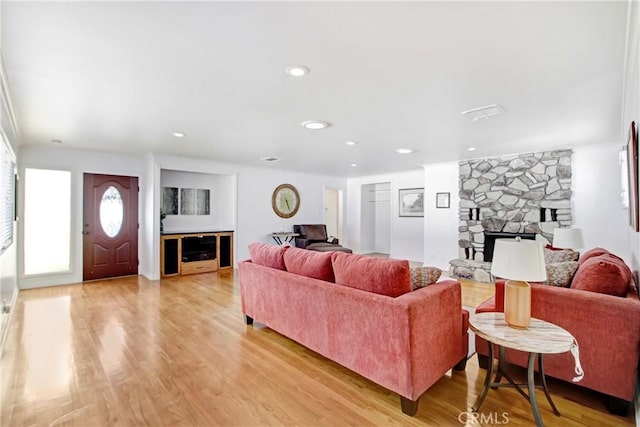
x=606 y=326
x=359 y=312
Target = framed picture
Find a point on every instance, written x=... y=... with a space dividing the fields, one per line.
x=411 y=202
x=170 y=200
x=443 y=200
x=632 y=176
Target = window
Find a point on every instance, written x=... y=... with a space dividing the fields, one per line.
x=7 y=195
x=47 y=221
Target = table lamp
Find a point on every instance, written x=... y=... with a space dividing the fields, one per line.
x=568 y=238
x=518 y=261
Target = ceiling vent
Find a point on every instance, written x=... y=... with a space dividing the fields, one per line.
x=483 y=113
x=269 y=159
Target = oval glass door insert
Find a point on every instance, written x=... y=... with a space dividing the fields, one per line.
x=111 y=212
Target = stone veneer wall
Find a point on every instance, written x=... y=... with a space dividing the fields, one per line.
x=525 y=193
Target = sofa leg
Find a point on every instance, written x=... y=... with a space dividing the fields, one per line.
x=409 y=407
x=617 y=406
x=483 y=361
x=248 y=319
x=461 y=365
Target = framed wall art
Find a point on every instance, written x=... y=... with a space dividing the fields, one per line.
x=632 y=176
x=443 y=200
x=411 y=202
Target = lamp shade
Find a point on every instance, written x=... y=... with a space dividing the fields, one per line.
x=519 y=260
x=568 y=238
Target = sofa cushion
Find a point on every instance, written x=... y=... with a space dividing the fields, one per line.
x=389 y=277
x=309 y=263
x=561 y=273
x=592 y=253
x=314 y=232
x=268 y=255
x=424 y=276
x=602 y=274
x=554 y=255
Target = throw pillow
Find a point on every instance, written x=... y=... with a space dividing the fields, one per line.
x=592 y=253
x=424 y=276
x=603 y=275
x=268 y=255
x=309 y=263
x=382 y=276
x=561 y=273
x=552 y=256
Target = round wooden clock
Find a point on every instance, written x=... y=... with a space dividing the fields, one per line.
x=285 y=200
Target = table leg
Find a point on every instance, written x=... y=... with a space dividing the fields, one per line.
x=277 y=239
x=544 y=383
x=500 y=366
x=502 y=372
x=532 y=389
x=487 y=381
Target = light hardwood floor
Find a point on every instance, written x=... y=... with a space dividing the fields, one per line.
x=177 y=352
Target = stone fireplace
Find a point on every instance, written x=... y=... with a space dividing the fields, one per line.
x=525 y=194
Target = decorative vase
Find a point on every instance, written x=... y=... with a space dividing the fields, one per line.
x=517 y=304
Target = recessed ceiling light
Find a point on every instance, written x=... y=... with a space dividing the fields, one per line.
x=404 y=150
x=350 y=143
x=56 y=141
x=353 y=165
x=297 y=70
x=471 y=148
x=269 y=159
x=178 y=134
x=314 y=124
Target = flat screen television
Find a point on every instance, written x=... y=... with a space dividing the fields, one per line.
x=198 y=248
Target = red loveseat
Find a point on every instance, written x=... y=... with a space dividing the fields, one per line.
x=606 y=326
x=359 y=312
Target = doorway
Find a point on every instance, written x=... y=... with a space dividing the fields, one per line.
x=110 y=226
x=375 y=221
x=333 y=212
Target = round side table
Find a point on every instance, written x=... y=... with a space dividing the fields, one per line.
x=538 y=339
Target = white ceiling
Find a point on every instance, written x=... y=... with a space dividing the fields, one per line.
x=121 y=76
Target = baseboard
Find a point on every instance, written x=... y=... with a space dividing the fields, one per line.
x=7 y=321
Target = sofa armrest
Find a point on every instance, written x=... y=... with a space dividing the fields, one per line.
x=496 y=302
x=436 y=320
x=302 y=243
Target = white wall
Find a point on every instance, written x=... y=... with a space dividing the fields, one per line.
x=440 y=224
x=631 y=107
x=406 y=233
x=596 y=203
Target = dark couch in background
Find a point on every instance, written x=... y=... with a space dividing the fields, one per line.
x=314 y=237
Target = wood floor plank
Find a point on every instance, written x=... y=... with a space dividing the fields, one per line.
x=130 y=351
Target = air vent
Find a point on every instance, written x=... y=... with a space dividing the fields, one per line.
x=483 y=113
x=269 y=159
